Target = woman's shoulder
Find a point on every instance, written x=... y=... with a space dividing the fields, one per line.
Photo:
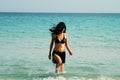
x=66 y=35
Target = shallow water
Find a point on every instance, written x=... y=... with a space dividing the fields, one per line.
x=93 y=38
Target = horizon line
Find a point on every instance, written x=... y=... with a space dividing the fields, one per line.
x=66 y=12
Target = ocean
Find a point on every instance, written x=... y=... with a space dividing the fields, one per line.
x=94 y=39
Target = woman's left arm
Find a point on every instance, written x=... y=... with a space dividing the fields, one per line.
x=67 y=45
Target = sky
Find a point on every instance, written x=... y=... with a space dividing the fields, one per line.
x=61 y=6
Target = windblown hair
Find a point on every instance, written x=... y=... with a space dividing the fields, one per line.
x=58 y=29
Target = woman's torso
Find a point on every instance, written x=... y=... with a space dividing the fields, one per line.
x=60 y=42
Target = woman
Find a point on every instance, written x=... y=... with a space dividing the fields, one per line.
x=60 y=41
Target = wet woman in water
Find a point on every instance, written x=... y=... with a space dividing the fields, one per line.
x=59 y=41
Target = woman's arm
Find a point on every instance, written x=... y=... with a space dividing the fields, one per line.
x=67 y=46
x=51 y=46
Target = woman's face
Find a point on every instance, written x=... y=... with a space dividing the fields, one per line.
x=63 y=30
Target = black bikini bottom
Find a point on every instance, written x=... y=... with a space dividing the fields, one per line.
x=62 y=55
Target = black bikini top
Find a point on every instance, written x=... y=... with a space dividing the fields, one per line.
x=62 y=41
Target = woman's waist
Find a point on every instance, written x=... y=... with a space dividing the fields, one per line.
x=59 y=50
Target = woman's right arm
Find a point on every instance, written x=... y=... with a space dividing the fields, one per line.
x=51 y=46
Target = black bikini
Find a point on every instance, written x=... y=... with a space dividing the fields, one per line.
x=62 y=55
x=58 y=41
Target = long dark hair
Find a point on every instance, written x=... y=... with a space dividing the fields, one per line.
x=58 y=29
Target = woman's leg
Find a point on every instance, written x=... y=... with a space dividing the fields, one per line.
x=62 y=67
x=59 y=62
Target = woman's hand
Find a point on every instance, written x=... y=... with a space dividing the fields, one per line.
x=49 y=56
x=70 y=53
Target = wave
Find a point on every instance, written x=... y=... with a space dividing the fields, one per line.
x=63 y=78
x=53 y=76
x=76 y=78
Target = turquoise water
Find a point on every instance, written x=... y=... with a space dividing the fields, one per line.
x=93 y=38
